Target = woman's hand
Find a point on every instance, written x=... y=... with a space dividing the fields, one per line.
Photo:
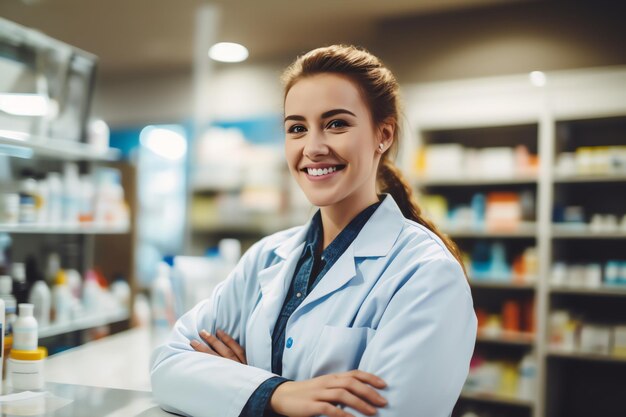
x=321 y=395
x=223 y=345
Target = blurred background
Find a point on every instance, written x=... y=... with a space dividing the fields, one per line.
x=140 y=157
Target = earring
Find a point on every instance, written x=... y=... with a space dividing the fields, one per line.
x=381 y=147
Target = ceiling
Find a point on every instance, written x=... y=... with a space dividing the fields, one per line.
x=144 y=36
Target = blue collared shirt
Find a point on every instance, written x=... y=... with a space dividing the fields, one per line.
x=310 y=269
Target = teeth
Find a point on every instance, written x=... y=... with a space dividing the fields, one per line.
x=317 y=172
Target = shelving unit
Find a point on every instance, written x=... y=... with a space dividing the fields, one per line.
x=494 y=398
x=45 y=154
x=64 y=230
x=590 y=105
x=83 y=323
x=28 y=146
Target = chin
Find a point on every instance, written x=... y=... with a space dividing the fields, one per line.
x=321 y=198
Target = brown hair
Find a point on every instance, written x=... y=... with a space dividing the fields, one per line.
x=380 y=90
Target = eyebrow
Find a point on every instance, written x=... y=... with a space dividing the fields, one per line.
x=325 y=115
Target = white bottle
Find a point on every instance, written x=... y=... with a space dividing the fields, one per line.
x=25 y=329
x=40 y=297
x=62 y=300
x=527 y=377
x=55 y=198
x=10 y=304
x=71 y=193
x=162 y=298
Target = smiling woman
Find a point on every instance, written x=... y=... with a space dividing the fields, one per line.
x=365 y=310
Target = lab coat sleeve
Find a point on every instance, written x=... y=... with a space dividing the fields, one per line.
x=198 y=384
x=424 y=342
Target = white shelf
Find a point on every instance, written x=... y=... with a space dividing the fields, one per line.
x=508 y=338
x=64 y=230
x=495 y=398
x=16 y=143
x=569 y=232
x=248 y=228
x=602 y=291
x=83 y=323
x=523 y=231
x=590 y=178
x=470 y=182
x=594 y=357
x=501 y=284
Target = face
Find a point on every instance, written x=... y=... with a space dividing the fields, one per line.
x=330 y=141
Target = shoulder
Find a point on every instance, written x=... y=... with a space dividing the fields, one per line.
x=416 y=239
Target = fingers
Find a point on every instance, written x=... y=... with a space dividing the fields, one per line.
x=218 y=346
x=233 y=345
x=360 y=389
x=345 y=397
x=327 y=409
x=201 y=347
x=371 y=379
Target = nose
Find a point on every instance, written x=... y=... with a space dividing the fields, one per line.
x=315 y=145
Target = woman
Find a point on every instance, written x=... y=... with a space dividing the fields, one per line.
x=365 y=310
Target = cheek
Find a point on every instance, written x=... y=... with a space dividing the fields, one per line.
x=291 y=154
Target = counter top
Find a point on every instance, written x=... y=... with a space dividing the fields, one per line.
x=64 y=400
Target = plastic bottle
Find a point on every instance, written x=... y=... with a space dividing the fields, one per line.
x=230 y=252
x=527 y=377
x=10 y=304
x=74 y=282
x=71 y=193
x=42 y=200
x=91 y=293
x=162 y=298
x=20 y=287
x=61 y=299
x=40 y=297
x=28 y=206
x=55 y=198
x=52 y=267
x=25 y=330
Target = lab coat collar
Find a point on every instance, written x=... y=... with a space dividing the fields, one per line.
x=375 y=239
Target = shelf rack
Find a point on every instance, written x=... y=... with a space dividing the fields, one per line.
x=495 y=398
x=83 y=323
x=500 y=102
x=64 y=230
x=28 y=146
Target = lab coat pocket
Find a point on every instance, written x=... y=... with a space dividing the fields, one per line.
x=339 y=349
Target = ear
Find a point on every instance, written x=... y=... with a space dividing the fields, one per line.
x=386 y=132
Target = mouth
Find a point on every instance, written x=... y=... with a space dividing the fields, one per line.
x=321 y=173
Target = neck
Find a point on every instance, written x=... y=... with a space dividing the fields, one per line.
x=337 y=216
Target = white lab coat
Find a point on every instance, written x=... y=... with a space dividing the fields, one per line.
x=396 y=304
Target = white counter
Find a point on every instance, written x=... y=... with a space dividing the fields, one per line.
x=118 y=361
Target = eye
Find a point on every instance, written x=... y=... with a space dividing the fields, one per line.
x=337 y=124
x=296 y=129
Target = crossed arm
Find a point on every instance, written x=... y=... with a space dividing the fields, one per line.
x=310 y=397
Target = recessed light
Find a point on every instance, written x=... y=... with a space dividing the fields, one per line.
x=537 y=78
x=228 y=52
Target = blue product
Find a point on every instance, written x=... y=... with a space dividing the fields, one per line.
x=479 y=207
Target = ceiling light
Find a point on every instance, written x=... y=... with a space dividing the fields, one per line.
x=228 y=52
x=164 y=142
x=24 y=104
x=537 y=78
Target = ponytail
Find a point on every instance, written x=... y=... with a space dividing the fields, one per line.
x=390 y=180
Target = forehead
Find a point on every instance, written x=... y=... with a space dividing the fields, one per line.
x=311 y=96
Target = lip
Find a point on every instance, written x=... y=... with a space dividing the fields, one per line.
x=319 y=166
